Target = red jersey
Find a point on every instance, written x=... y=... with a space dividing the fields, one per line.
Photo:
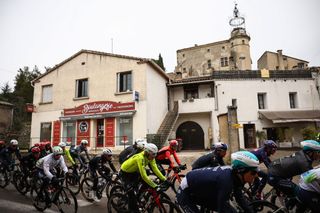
x=165 y=153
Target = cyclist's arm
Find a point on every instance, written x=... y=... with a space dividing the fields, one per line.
x=18 y=154
x=156 y=171
x=46 y=169
x=87 y=154
x=69 y=157
x=144 y=175
x=63 y=165
x=112 y=166
x=241 y=200
x=176 y=158
x=168 y=156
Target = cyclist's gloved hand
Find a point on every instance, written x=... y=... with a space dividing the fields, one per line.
x=183 y=167
x=158 y=189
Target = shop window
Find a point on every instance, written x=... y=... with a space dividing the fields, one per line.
x=124 y=81
x=293 y=100
x=45 y=131
x=46 y=94
x=69 y=132
x=124 y=127
x=82 y=88
x=262 y=100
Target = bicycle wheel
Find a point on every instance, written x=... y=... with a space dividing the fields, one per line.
x=164 y=206
x=263 y=206
x=118 y=202
x=21 y=184
x=117 y=189
x=86 y=189
x=73 y=183
x=4 y=178
x=38 y=197
x=176 y=182
x=66 y=201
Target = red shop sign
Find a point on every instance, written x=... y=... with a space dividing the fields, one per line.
x=99 y=107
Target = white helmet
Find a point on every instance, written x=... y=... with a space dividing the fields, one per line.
x=107 y=152
x=62 y=144
x=310 y=145
x=57 y=150
x=14 y=142
x=84 y=141
x=244 y=160
x=151 y=148
x=140 y=143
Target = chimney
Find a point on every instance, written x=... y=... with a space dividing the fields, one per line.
x=280 y=60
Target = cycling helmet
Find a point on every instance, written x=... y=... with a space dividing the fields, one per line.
x=57 y=150
x=244 y=160
x=35 y=150
x=2 y=142
x=107 y=152
x=14 y=142
x=84 y=142
x=173 y=143
x=140 y=143
x=219 y=146
x=151 y=148
x=37 y=144
x=62 y=144
x=270 y=144
x=310 y=145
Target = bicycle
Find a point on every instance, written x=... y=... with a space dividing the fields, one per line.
x=57 y=194
x=175 y=178
x=73 y=178
x=23 y=181
x=149 y=200
x=7 y=176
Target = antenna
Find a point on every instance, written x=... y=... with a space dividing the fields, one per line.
x=111 y=45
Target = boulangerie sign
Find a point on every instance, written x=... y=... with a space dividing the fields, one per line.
x=99 y=107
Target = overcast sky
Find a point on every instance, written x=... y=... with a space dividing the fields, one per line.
x=45 y=32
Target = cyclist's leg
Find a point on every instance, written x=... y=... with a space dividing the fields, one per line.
x=262 y=182
x=130 y=181
x=185 y=201
x=308 y=199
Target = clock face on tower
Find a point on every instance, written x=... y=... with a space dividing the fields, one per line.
x=236 y=21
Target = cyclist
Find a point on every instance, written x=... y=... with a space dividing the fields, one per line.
x=164 y=156
x=263 y=154
x=133 y=169
x=212 y=159
x=211 y=187
x=6 y=155
x=45 y=148
x=35 y=145
x=137 y=147
x=281 y=171
x=76 y=152
x=28 y=162
x=46 y=166
x=98 y=164
x=2 y=145
x=308 y=192
x=67 y=153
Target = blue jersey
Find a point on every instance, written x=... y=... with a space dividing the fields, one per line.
x=262 y=156
x=212 y=187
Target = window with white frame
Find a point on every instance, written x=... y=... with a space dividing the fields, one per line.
x=293 y=100
x=82 y=88
x=45 y=131
x=46 y=94
x=124 y=80
x=262 y=100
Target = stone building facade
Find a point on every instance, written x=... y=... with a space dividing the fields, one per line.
x=6 y=116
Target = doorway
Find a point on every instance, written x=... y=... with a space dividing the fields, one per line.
x=249 y=131
x=100 y=132
x=192 y=136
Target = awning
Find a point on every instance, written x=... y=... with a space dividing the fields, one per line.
x=291 y=116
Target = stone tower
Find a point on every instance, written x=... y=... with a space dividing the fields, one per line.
x=240 y=58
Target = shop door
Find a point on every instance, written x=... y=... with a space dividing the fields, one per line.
x=100 y=132
x=192 y=136
x=249 y=131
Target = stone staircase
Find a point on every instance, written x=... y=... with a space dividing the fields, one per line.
x=166 y=127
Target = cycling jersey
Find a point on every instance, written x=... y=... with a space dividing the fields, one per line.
x=69 y=157
x=98 y=163
x=6 y=155
x=262 y=156
x=127 y=153
x=211 y=159
x=28 y=162
x=287 y=167
x=165 y=154
x=76 y=151
x=310 y=180
x=211 y=188
x=137 y=164
x=48 y=163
